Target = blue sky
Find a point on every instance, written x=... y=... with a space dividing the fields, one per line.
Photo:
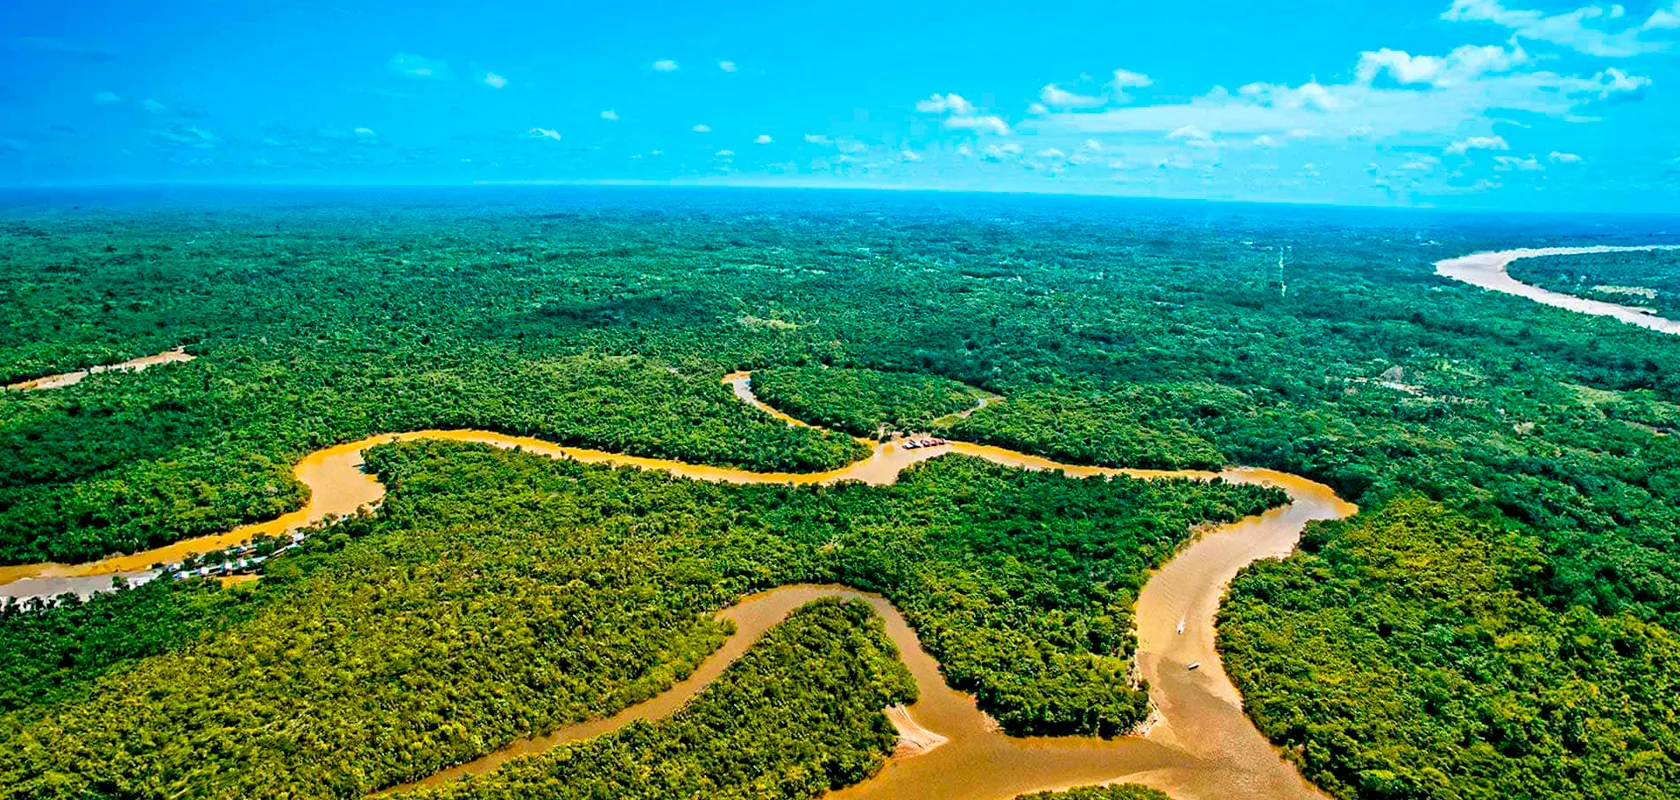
x=1517 y=104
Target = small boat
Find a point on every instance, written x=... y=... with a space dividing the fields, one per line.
x=1194 y=665
x=1180 y=626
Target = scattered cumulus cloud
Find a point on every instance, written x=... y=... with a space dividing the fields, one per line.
x=188 y=136
x=763 y=138
x=909 y=156
x=1190 y=134
x=1465 y=146
x=1594 y=30
x=665 y=65
x=494 y=81
x=154 y=106
x=817 y=138
x=543 y=133
x=702 y=129
x=945 y=104
x=1666 y=19
x=1264 y=140
x=1125 y=79
x=725 y=154
x=409 y=65
x=1056 y=97
x=1563 y=158
x=1051 y=153
x=727 y=66
x=1462 y=65
x=979 y=124
x=609 y=115
x=1508 y=163
x=995 y=152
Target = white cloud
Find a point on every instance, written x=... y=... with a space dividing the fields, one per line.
x=1508 y=163
x=817 y=138
x=1056 y=97
x=725 y=154
x=1664 y=19
x=727 y=66
x=270 y=141
x=982 y=124
x=1582 y=29
x=1464 y=146
x=364 y=133
x=763 y=138
x=543 y=133
x=665 y=65
x=1051 y=152
x=909 y=156
x=1421 y=164
x=1310 y=95
x=1462 y=65
x=106 y=98
x=1614 y=81
x=1189 y=133
x=965 y=151
x=1390 y=112
x=995 y=152
x=945 y=103
x=1092 y=146
x=1264 y=140
x=1563 y=158
x=1126 y=79
x=154 y=106
x=189 y=135
x=702 y=129
x=494 y=81
x=609 y=115
x=410 y=65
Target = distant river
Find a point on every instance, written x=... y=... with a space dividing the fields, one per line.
x=1488 y=270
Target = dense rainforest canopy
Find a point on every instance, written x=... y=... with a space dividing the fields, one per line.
x=1648 y=279
x=1116 y=332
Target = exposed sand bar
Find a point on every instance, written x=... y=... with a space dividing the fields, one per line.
x=73 y=378
x=1488 y=270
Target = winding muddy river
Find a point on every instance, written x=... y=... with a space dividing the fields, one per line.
x=1488 y=271
x=1200 y=744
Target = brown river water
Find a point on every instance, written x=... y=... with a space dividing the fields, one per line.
x=1199 y=745
x=1488 y=270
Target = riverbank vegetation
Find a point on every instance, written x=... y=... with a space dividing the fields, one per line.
x=1641 y=278
x=862 y=402
x=797 y=716
x=1404 y=654
x=500 y=594
x=1120 y=791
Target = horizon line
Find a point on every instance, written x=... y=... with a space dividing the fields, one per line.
x=809 y=186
